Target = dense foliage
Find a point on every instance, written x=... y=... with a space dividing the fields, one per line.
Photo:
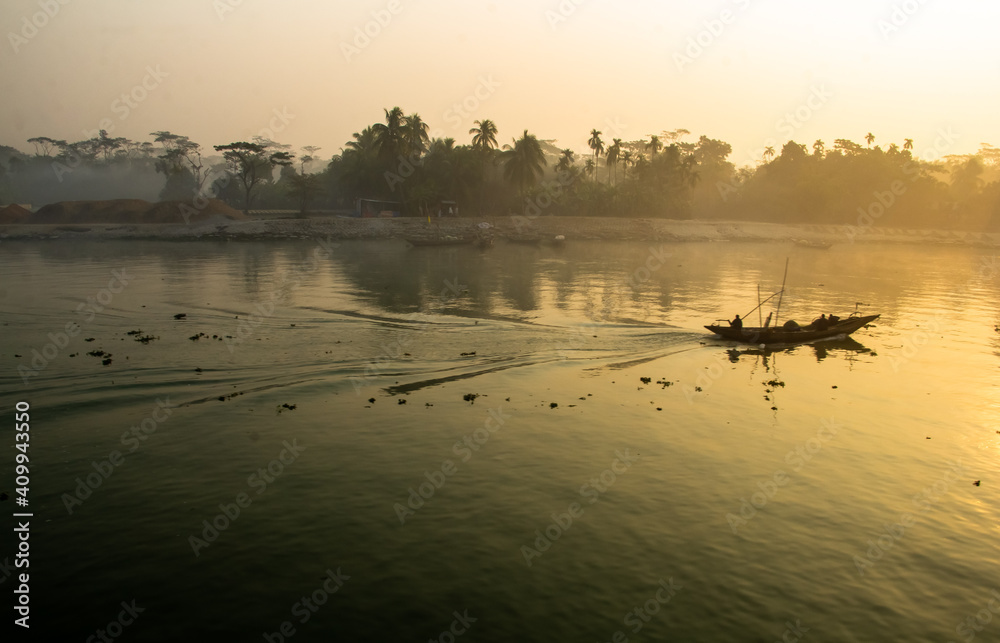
x=395 y=160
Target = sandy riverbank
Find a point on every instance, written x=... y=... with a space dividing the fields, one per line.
x=574 y=228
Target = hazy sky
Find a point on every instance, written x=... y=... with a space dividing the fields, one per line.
x=750 y=72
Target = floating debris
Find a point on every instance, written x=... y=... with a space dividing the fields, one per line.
x=197 y=370
x=401 y=401
x=98 y=354
x=290 y=407
x=468 y=354
x=180 y=316
x=976 y=483
x=371 y=400
x=664 y=382
x=145 y=339
x=553 y=405
x=428 y=404
x=645 y=380
x=89 y=339
x=134 y=332
x=773 y=383
x=470 y=397
x=195 y=338
x=106 y=361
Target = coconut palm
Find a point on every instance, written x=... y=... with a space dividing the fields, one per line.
x=819 y=147
x=391 y=136
x=870 y=138
x=768 y=153
x=627 y=161
x=415 y=135
x=614 y=153
x=565 y=161
x=907 y=144
x=524 y=162
x=484 y=135
x=597 y=145
x=654 y=145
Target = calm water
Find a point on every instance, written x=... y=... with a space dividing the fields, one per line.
x=823 y=492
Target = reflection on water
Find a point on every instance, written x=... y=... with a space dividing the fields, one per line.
x=529 y=370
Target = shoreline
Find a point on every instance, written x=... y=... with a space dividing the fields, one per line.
x=573 y=228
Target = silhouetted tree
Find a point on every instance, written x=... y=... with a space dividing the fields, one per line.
x=251 y=164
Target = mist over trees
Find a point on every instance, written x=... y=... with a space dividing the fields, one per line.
x=665 y=175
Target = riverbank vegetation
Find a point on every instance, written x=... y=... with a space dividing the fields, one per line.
x=668 y=175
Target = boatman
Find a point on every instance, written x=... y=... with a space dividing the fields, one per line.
x=736 y=323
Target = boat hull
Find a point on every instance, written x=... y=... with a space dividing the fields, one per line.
x=780 y=335
x=430 y=241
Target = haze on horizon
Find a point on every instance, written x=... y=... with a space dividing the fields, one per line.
x=748 y=72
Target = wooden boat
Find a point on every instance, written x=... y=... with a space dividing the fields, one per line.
x=446 y=240
x=815 y=244
x=795 y=335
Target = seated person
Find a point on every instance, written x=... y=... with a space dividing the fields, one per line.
x=822 y=323
x=736 y=323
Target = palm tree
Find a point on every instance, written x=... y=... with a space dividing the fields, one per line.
x=627 y=161
x=819 y=147
x=907 y=144
x=415 y=135
x=524 y=162
x=893 y=149
x=565 y=161
x=654 y=145
x=390 y=137
x=614 y=152
x=768 y=153
x=870 y=138
x=589 y=166
x=484 y=135
x=597 y=145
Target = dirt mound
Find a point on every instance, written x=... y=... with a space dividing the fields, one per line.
x=14 y=213
x=115 y=211
x=133 y=211
x=188 y=212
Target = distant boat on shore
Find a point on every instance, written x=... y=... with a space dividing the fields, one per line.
x=813 y=243
x=442 y=240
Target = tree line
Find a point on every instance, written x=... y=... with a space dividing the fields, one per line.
x=666 y=175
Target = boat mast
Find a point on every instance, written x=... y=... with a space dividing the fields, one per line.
x=782 y=295
x=760 y=321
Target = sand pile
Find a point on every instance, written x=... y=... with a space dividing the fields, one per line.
x=115 y=211
x=188 y=212
x=14 y=213
x=132 y=211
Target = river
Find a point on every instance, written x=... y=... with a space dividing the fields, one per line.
x=362 y=441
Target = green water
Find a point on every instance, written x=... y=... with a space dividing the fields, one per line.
x=732 y=497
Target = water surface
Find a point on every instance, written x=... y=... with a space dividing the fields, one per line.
x=840 y=441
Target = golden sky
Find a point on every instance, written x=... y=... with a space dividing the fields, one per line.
x=311 y=72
